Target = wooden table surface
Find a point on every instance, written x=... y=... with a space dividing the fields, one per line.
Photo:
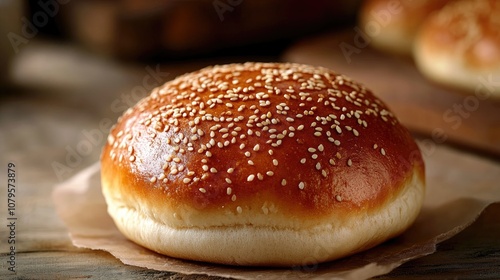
x=45 y=119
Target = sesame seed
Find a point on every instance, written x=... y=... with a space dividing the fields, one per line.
x=250 y=177
x=349 y=162
x=314 y=156
x=233 y=198
x=317 y=133
x=230 y=170
x=260 y=176
x=250 y=162
x=283 y=182
x=256 y=147
x=275 y=162
x=202 y=190
x=205 y=167
x=382 y=151
x=239 y=209
x=332 y=161
x=311 y=150
x=338 y=198
x=375 y=146
x=247 y=154
x=229 y=190
x=153 y=179
x=228 y=181
x=303 y=160
x=213 y=170
x=318 y=166
x=321 y=148
x=186 y=180
x=269 y=173
x=302 y=185
x=323 y=172
x=132 y=158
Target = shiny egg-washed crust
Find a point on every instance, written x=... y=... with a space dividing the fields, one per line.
x=460 y=45
x=271 y=146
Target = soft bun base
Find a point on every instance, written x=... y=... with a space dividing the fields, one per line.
x=244 y=244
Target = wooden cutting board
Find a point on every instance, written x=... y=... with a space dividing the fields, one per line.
x=443 y=114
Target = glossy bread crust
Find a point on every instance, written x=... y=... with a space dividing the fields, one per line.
x=269 y=145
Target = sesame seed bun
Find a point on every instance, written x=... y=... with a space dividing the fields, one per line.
x=461 y=43
x=392 y=25
x=261 y=164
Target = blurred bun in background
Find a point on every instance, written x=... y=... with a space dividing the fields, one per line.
x=460 y=44
x=393 y=24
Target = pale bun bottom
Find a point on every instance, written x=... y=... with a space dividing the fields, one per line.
x=270 y=246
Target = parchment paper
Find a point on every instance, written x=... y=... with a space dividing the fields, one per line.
x=459 y=187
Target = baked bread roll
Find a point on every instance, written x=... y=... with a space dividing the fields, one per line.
x=261 y=164
x=460 y=45
x=391 y=25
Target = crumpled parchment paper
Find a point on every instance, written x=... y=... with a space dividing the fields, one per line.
x=459 y=187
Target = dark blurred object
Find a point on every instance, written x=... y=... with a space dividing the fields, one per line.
x=136 y=29
x=11 y=12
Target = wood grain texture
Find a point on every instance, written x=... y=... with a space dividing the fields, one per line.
x=466 y=118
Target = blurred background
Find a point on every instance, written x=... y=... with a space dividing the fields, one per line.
x=67 y=65
x=69 y=68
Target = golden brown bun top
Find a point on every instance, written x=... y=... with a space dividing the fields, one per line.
x=471 y=29
x=304 y=138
